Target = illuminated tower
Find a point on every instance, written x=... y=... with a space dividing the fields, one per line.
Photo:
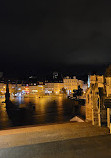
x=88 y=81
x=55 y=75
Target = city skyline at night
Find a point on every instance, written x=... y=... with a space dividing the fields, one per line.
x=55 y=79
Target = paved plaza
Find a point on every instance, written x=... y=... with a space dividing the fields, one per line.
x=71 y=140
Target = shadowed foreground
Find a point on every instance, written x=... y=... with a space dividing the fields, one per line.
x=90 y=147
x=77 y=140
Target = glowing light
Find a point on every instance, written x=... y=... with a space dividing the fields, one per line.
x=88 y=81
x=34 y=90
x=27 y=90
x=40 y=86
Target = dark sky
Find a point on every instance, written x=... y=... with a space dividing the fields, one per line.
x=48 y=33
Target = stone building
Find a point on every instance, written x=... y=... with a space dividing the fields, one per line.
x=53 y=88
x=36 y=89
x=58 y=87
x=92 y=104
x=108 y=86
x=95 y=109
x=96 y=79
x=49 y=88
x=2 y=88
x=71 y=84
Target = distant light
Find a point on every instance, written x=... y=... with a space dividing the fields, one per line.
x=40 y=86
x=46 y=91
x=88 y=81
x=34 y=90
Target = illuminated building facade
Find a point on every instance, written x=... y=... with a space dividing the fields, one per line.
x=2 y=88
x=93 y=104
x=12 y=87
x=33 y=89
x=94 y=82
x=36 y=89
x=58 y=87
x=15 y=89
x=96 y=79
x=55 y=87
x=108 y=86
x=95 y=110
x=49 y=88
x=41 y=89
x=71 y=84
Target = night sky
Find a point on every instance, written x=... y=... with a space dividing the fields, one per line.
x=47 y=35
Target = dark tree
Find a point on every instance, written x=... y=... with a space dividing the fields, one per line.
x=78 y=92
x=63 y=90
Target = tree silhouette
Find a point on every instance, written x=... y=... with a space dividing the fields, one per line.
x=78 y=92
x=63 y=90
